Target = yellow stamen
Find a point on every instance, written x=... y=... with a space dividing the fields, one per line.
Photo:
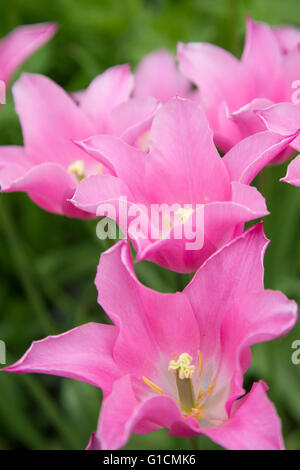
x=184 y=214
x=167 y=221
x=212 y=385
x=201 y=394
x=144 y=141
x=183 y=366
x=198 y=413
x=154 y=387
x=200 y=357
x=77 y=168
x=100 y=169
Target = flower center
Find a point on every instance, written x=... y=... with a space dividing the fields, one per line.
x=184 y=213
x=77 y=168
x=183 y=369
x=182 y=365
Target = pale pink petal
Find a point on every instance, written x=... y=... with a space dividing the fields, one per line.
x=240 y=263
x=261 y=47
x=247 y=120
x=257 y=317
x=293 y=173
x=50 y=120
x=247 y=158
x=183 y=165
x=250 y=198
x=132 y=119
x=282 y=118
x=13 y=165
x=288 y=37
x=106 y=92
x=254 y=425
x=122 y=160
x=224 y=220
x=157 y=76
x=114 y=426
x=226 y=131
x=135 y=350
x=97 y=192
x=49 y=185
x=20 y=44
x=122 y=414
x=218 y=75
x=291 y=67
x=84 y=353
x=174 y=254
x=149 y=321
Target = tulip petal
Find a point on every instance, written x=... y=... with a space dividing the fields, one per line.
x=217 y=73
x=102 y=195
x=122 y=414
x=143 y=315
x=257 y=317
x=181 y=134
x=84 y=353
x=50 y=120
x=240 y=263
x=106 y=92
x=254 y=425
x=49 y=185
x=247 y=158
x=133 y=118
x=261 y=47
x=246 y=118
x=157 y=76
x=20 y=44
x=13 y=165
x=293 y=173
x=122 y=160
x=282 y=118
x=288 y=37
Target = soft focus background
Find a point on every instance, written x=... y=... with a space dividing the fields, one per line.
x=48 y=263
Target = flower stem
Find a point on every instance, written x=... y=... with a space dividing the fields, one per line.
x=195 y=443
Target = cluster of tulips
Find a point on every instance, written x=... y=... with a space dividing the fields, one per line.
x=137 y=143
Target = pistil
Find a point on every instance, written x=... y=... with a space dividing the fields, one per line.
x=184 y=371
x=185 y=393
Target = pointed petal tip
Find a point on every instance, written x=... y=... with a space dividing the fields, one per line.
x=180 y=47
x=50 y=27
x=27 y=79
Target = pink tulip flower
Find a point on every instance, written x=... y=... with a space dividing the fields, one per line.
x=49 y=166
x=19 y=44
x=231 y=90
x=182 y=167
x=177 y=361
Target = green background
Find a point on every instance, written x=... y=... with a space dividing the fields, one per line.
x=48 y=263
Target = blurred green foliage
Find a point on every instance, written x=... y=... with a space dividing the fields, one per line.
x=48 y=263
